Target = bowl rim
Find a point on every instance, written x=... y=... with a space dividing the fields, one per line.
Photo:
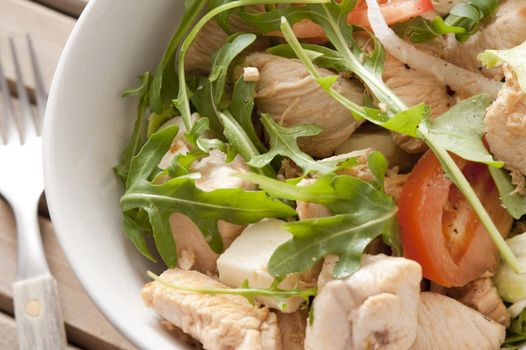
x=50 y=184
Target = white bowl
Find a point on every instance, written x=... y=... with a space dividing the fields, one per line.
x=87 y=126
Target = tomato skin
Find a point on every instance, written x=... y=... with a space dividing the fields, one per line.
x=393 y=11
x=439 y=229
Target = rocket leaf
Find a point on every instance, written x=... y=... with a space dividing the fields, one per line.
x=181 y=195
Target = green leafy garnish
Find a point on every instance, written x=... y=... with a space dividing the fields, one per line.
x=182 y=102
x=461 y=128
x=514 y=202
x=362 y=212
x=278 y=294
x=515 y=58
x=241 y=108
x=210 y=92
x=181 y=195
x=283 y=141
x=463 y=20
x=516 y=333
x=136 y=140
x=240 y=140
x=165 y=83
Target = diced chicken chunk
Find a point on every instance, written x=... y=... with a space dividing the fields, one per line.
x=414 y=87
x=445 y=324
x=482 y=296
x=210 y=39
x=219 y=322
x=292 y=328
x=394 y=183
x=291 y=96
x=506 y=30
x=506 y=125
x=250 y=74
x=375 y=308
x=247 y=259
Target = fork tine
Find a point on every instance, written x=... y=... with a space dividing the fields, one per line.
x=40 y=91
x=8 y=112
x=26 y=115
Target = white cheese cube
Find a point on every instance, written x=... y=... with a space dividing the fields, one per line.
x=247 y=259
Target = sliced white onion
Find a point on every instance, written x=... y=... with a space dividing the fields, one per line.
x=517 y=308
x=457 y=78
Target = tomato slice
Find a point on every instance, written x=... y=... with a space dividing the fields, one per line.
x=394 y=11
x=439 y=229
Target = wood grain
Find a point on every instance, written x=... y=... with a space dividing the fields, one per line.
x=70 y=7
x=85 y=325
x=8 y=338
x=38 y=314
x=48 y=28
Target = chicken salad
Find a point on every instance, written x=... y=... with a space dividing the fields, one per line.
x=334 y=174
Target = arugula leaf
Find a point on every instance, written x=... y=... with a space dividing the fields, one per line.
x=182 y=102
x=378 y=165
x=421 y=30
x=241 y=108
x=283 y=142
x=239 y=139
x=164 y=85
x=278 y=294
x=514 y=202
x=463 y=20
x=181 y=195
x=404 y=121
x=460 y=130
x=207 y=98
x=515 y=58
x=135 y=142
x=516 y=333
x=135 y=233
x=362 y=212
x=344 y=235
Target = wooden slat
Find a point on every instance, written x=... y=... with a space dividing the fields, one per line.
x=70 y=7
x=8 y=336
x=85 y=325
x=48 y=28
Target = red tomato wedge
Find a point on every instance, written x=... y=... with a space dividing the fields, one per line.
x=394 y=11
x=439 y=229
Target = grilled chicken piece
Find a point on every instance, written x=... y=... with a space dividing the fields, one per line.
x=192 y=247
x=506 y=30
x=219 y=322
x=394 y=183
x=414 y=87
x=309 y=210
x=506 y=125
x=210 y=39
x=375 y=308
x=482 y=296
x=292 y=328
x=445 y=324
x=291 y=96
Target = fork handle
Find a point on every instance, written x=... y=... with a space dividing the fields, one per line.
x=38 y=315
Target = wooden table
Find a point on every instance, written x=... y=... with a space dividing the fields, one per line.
x=49 y=22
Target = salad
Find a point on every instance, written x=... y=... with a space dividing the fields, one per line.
x=335 y=174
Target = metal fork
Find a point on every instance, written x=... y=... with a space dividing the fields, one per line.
x=37 y=308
